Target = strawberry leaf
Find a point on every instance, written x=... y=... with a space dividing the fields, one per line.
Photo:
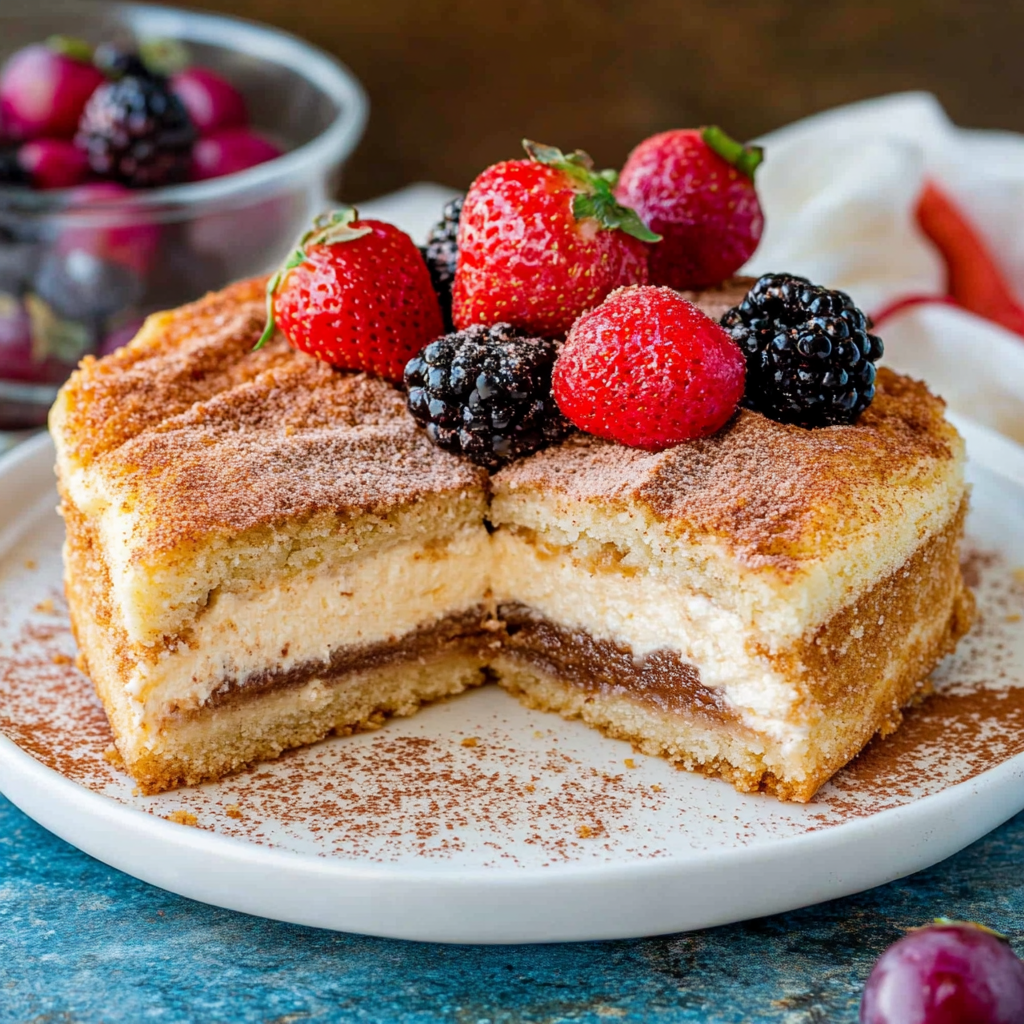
x=745 y=159
x=331 y=228
x=71 y=46
x=595 y=198
x=334 y=227
x=271 y=325
x=602 y=205
x=552 y=156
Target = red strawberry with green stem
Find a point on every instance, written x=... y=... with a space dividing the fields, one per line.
x=542 y=240
x=695 y=187
x=355 y=294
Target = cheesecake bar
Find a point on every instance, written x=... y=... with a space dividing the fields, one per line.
x=754 y=605
x=262 y=550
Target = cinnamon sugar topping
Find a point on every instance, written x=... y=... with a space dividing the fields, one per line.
x=774 y=493
x=193 y=431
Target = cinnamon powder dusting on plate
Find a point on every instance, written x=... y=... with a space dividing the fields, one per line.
x=973 y=721
x=468 y=779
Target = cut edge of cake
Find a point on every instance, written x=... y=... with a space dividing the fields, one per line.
x=833 y=690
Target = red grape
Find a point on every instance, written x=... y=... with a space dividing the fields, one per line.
x=212 y=102
x=234 y=149
x=947 y=973
x=37 y=353
x=54 y=163
x=43 y=92
x=16 y=359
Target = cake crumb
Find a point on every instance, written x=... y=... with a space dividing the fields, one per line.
x=136 y=791
x=182 y=818
x=584 y=832
x=31 y=563
x=530 y=788
x=1013 y=618
x=1018 y=574
x=46 y=606
x=537 y=734
x=60 y=659
x=233 y=811
x=113 y=755
x=629 y=762
x=655 y=787
x=470 y=741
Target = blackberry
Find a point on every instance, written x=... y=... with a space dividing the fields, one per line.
x=136 y=131
x=441 y=253
x=11 y=171
x=810 y=354
x=485 y=393
x=116 y=62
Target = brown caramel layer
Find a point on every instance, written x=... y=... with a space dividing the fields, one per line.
x=661 y=679
x=464 y=632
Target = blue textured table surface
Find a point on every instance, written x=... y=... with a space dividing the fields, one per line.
x=80 y=942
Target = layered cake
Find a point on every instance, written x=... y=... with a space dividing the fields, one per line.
x=693 y=517
x=259 y=550
x=756 y=605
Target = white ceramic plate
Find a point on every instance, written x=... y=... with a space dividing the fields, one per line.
x=479 y=821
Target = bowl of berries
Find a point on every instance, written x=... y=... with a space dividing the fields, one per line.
x=147 y=155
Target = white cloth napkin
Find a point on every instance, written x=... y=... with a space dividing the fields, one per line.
x=839 y=191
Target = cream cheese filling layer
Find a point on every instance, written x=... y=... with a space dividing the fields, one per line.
x=284 y=625
x=648 y=613
x=159 y=592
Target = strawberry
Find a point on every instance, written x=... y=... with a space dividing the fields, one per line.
x=542 y=240
x=648 y=369
x=355 y=294
x=695 y=187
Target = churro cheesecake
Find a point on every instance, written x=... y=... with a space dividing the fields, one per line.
x=756 y=605
x=689 y=512
x=260 y=550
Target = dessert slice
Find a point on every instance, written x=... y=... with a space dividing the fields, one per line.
x=754 y=605
x=260 y=549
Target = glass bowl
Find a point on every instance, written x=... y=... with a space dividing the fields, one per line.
x=80 y=268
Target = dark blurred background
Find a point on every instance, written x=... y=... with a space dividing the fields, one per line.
x=455 y=84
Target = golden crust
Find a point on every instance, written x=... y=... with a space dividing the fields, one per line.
x=776 y=495
x=189 y=431
x=192 y=431
x=233 y=738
